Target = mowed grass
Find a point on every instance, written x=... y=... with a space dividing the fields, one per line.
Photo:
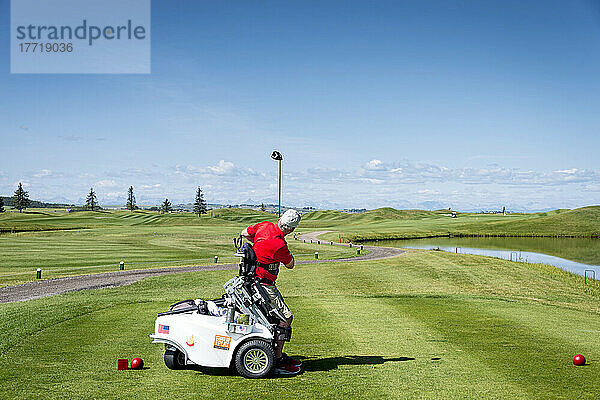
x=388 y=223
x=64 y=244
x=98 y=241
x=425 y=324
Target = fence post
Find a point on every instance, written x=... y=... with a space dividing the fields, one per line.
x=585 y=275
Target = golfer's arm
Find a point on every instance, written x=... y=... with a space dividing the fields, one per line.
x=247 y=236
x=291 y=264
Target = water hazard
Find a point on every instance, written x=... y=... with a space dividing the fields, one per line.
x=572 y=254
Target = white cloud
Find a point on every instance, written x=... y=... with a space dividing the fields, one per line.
x=375 y=165
x=71 y=138
x=223 y=168
x=407 y=172
x=42 y=173
x=133 y=173
x=377 y=183
x=428 y=192
x=591 y=187
x=372 y=180
x=106 y=183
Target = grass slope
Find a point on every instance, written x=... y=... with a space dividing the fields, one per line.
x=387 y=223
x=98 y=241
x=64 y=244
x=422 y=325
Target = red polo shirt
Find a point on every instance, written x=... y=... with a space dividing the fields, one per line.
x=270 y=247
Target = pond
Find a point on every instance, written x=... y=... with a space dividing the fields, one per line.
x=572 y=254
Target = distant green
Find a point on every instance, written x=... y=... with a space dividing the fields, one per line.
x=388 y=223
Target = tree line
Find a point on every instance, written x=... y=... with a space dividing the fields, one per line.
x=200 y=206
x=20 y=201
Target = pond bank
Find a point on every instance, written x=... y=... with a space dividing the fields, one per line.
x=361 y=239
x=575 y=255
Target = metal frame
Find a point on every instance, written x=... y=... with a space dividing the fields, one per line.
x=237 y=290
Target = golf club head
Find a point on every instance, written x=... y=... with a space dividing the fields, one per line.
x=275 y=155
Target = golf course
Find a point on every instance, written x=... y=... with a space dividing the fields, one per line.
x=300 y=200
x=423 y=324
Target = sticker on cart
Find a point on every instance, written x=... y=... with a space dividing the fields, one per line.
x=222 y=342
x=190 y=341
x=241 y=329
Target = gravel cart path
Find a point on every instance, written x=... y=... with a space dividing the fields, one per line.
x=51 y=287
x=375 y=253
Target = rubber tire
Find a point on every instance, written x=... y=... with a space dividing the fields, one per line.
x=174 y=359
x=266 y=347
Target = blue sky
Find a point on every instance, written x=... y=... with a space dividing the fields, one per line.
x=471 y=105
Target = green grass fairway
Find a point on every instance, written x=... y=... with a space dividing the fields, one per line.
x=65 y=244
x=89 y=242
x=388 y=223
x=423 y=325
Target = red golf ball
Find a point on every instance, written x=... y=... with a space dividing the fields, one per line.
x=137 y=363
x=579 y=359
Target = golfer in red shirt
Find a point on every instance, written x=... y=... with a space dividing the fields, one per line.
x=271 y=249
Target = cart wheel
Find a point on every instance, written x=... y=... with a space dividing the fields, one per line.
x=255 y=359
x=174 y=359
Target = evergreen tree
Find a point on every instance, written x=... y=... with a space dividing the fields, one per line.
x=20 y=198
x=200 y=204
x=130 y=199
x=166 y=206
x=262 y=207
x=91 y=201
x=1 y=205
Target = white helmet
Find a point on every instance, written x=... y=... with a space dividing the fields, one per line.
x=290 y=219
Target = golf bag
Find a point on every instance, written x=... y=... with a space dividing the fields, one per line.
x=185 y=306
x=248 y=262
